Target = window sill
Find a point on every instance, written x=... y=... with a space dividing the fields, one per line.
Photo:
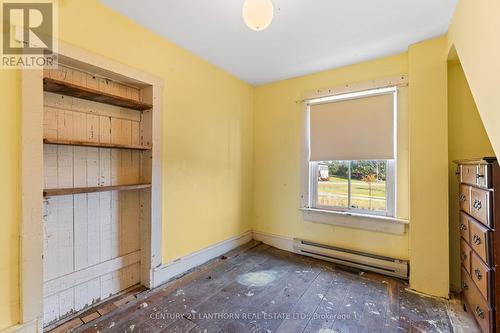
x=377 y=223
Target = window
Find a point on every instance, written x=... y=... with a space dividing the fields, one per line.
x=352 y=152
x=364 y=186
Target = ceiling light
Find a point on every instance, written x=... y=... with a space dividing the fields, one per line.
x=258 y=14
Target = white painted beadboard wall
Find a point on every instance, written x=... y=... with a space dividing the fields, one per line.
x=92 y=245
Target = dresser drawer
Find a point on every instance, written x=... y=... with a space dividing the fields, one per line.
x=482 y=276
x=480 y=240
x=464 y=198
x=464 y=226
x=480 y=205
x=465 y=252
x=475 y=174
x=467 y=283
x=477 y=305
x=468 y=173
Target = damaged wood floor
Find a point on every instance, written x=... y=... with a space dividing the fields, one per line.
x=263 y=289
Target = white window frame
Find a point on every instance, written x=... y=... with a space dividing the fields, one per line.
x=390 y=192
x=387 y=222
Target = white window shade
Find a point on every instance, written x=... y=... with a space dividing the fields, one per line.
x=353 y=129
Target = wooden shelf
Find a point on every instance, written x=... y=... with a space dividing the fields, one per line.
x=69 y=89
x=80 y=190
x=94 y=144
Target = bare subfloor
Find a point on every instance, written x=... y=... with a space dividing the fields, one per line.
x=263 y=289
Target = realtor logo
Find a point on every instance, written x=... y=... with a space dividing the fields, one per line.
x=28 y=34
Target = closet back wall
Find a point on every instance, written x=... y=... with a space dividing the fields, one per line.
x=207 y=128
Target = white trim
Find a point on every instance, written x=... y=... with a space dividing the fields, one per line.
x=305 y=194
x=31 y=263
x=351 y=219
x=106 y=66
x=277 y=241
x=391 y=181
x=281 y=242
x=390 y=190
x=378 y=223
x=313 y=185
x=71 y=280
x=173 y=269
x=400 y=80
x=157 y=178
x=352 y=95
x=34 y=326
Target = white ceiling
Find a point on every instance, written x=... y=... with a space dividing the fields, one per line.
x=306 y=36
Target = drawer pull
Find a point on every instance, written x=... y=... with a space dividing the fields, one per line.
x=476 y=239
x=479 y=312
x=463 y=226
x=478 y=274
x=462 y=197
x=477 y=204
x=465 y=286
x=479 y=176
x=464 y=255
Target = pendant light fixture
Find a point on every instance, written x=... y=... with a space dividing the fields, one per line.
x=258 y=14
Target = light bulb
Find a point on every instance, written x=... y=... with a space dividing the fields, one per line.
x=258 y=14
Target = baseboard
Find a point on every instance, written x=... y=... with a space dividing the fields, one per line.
x=169 y=271
x=34 y=326
x=280 y=242
x=173 y=269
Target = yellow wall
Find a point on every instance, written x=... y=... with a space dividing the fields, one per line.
x=429 y=270
x=277 y=149
x=467 y=139
x=9 y=197
x=207 y=140
x=474 y=34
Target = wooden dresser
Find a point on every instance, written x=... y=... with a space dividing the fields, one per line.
x=480 y=242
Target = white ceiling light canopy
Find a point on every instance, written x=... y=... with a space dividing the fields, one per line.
x=258 y=14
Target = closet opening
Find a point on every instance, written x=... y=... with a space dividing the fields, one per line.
x=96 y=183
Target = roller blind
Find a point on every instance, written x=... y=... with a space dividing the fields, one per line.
x=353 y=129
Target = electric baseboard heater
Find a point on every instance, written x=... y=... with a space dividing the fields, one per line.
x=357 y=259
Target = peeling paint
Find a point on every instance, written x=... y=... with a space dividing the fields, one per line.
x=328 y=330
x=258 y=279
